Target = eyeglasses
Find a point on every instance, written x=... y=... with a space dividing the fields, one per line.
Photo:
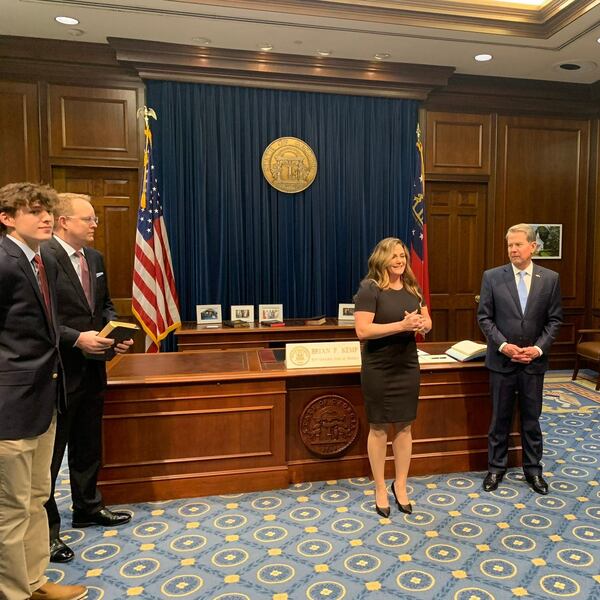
x=88 y=220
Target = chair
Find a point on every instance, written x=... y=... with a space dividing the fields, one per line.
x=588 y=350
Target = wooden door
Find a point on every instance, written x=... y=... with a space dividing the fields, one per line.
x=114 y=194
x=456 y=218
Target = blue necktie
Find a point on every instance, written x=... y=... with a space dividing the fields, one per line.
x=522 y=289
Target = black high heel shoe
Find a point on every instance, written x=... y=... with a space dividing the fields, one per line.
x=383 y=512
x=405 y=508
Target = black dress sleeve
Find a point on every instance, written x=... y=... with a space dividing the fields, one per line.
x=366 y=297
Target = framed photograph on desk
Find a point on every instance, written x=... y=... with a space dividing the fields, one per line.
x=208 y=314
x=346 y=314
x=242 y=312
x=270 y=312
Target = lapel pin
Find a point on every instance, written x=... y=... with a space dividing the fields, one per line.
x=537 y=275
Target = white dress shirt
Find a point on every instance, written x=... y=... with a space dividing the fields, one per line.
x=71 y=253
x=527 y=278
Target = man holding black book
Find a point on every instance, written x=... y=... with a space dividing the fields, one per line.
x=84 y=307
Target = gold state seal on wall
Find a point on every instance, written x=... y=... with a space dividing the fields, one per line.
x=289 y=165
x=329 y=425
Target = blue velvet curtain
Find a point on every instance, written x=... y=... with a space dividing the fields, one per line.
x=234 y=238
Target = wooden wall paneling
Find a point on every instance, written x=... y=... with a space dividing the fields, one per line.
x=19 y=132
x=543 y=169
x=440 y=273
x=97 y=124
x=594 y=221
x=542 y=178
x=114 y=195
x=563 y=350
x=456 y=237
x=458 y=143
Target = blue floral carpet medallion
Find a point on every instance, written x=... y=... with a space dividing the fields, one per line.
x=324 y=541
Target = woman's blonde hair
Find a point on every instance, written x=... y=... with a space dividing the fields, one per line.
x=379 y=261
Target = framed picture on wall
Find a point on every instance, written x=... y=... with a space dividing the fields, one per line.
x=548 y=237
x=270 y=312
x=242 y=312
x=208 y=314
x=346 y=313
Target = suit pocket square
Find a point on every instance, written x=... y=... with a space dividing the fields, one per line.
x=101 y=274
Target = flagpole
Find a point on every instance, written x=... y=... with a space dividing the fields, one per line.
x=154 y=295
x=146 y=113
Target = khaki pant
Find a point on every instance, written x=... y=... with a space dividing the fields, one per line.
x=24 y=488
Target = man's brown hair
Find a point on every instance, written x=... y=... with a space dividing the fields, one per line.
x=15 y=196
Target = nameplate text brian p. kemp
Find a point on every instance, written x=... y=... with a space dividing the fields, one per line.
x=322 y=354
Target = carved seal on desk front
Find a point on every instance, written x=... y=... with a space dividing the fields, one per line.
x=329 y=425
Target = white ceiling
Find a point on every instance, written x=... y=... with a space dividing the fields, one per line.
x=246 y=29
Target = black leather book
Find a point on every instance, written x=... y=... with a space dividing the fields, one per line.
x=114 y=330
x=237 y=323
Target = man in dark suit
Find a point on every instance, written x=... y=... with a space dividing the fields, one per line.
x=520 y=314
x=84 y=307
x=31 y=390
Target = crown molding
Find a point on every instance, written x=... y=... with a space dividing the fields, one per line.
x=50 y=60
x=159 y=60
x=504 y=95
x=482 y=16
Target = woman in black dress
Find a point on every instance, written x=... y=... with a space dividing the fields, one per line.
x=388 y=312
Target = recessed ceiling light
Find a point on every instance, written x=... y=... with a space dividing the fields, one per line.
x=381 y=56
x=575 y=65
x=266 y=47
x=324 y=52
x=570 y=67
x=67 y=20
x=483 y=57
x=201 y=40
x=598 y=40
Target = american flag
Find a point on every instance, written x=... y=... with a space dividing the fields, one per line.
x=418 y=225
x=154 y=299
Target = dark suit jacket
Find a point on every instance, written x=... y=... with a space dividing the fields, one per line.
x=31 y=377
x=75 y=315
x=501 y=319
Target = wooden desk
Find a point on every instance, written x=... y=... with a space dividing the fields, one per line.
x=191 y=336
x=198 y=423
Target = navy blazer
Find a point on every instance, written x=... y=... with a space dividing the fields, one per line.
x=31 y=375
x=502 y=320
x=75 y=315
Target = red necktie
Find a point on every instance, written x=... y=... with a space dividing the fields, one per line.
x=85 y=277
x=43 y=283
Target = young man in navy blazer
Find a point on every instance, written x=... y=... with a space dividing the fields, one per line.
x=520 y=315
x=31 y=391
x=84 y=307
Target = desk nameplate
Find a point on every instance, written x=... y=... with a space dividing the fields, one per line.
x=322 y=355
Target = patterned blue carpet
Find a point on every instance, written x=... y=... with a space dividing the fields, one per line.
x=324 y=541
